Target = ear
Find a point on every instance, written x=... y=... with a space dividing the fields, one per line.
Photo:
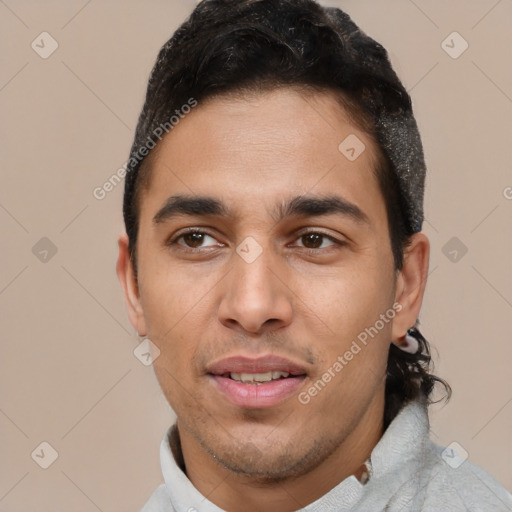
x=126 y=275
x=410 y=285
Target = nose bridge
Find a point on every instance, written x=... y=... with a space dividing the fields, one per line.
x=254 y=292
x=253 y=267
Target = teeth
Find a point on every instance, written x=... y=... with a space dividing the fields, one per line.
x=258 y=377
x=277 y=375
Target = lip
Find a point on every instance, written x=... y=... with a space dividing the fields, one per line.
x=256 y=396
x=243 y=364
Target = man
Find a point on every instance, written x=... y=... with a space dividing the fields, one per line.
x=274 y=258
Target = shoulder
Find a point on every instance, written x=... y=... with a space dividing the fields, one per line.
x=461 y=485
x=159 y=501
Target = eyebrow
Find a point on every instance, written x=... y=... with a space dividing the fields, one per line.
x=300 y=206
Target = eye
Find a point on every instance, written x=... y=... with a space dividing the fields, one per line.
x=193 y=239
x=313 y=240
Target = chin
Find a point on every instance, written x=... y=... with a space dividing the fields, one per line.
x=267 y=462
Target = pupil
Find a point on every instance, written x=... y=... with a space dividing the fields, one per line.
x=193 y=239
x=314 y=238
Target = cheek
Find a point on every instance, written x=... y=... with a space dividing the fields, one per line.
x=173 y=294
x=172 y=317
x=350 y=300
x=174 y=368
x=353 y=356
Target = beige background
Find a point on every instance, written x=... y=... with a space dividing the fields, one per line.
x=68 y=373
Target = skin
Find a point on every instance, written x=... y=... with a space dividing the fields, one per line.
x=253 y=153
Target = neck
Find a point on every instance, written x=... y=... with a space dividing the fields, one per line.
x=238 y=493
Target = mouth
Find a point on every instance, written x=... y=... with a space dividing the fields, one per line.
x=257 y=378
x=256 y=383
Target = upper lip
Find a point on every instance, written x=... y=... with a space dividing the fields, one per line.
x=243 y=364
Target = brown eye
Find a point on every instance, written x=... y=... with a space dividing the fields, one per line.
x=312 y=241
x=315 y=240
x=193 y=239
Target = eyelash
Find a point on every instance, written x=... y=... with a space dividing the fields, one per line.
x=174 y=241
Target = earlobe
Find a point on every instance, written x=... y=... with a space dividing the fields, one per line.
x=410 y=287
x=129 y=284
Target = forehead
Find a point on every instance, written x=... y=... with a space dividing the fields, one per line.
x=261 y=146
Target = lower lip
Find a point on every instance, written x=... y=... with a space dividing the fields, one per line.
x=257 y=396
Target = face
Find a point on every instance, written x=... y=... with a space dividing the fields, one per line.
x=263 y=253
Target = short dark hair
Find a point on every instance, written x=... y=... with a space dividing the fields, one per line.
x=236 y=46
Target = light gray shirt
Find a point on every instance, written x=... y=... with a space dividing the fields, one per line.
x=407 y=472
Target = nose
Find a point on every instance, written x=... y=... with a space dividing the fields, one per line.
x=255 y=295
